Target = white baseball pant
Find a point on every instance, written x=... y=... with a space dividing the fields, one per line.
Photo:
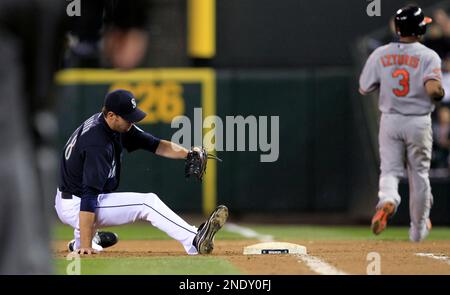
x=124 y=208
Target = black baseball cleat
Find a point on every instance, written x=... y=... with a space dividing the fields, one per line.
x=102 y=238
x=105 y=239
x=204 y=239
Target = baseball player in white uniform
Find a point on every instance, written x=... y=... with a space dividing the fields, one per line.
x=408 y=76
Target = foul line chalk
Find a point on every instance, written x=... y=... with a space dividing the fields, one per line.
x=319 y=266
x=436 y=257
x=247 y=232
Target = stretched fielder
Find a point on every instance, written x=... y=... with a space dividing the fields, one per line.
x=90 y=173
x=408 y=75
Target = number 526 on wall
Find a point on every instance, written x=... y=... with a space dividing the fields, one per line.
x=161 y=101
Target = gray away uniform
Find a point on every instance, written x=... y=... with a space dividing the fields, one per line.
x=400 y=71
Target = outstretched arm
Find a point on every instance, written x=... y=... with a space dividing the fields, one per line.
x=171 y=150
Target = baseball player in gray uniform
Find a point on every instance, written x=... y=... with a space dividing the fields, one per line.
x=408 y=76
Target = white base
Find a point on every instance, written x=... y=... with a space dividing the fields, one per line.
x=274 y=248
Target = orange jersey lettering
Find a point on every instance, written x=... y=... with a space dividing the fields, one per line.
x=400 y=59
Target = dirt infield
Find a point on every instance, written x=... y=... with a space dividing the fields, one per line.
x=397 y=257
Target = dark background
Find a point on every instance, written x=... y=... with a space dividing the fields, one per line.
x=267 y=33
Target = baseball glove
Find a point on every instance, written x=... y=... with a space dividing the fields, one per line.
x=196 y=161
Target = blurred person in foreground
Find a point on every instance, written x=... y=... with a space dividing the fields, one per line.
x=30 y=40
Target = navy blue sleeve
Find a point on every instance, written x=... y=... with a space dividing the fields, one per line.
x=97 y=165
x=88 y=203
x=137 y=138
x=96 y=168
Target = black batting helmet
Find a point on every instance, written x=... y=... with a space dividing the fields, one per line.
x=410 y=21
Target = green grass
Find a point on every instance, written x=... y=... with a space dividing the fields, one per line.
x=137 y=231
x=313 y=232
x=188 y=265
x=142 y=231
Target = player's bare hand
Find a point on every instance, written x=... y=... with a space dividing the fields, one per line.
x=86 y=251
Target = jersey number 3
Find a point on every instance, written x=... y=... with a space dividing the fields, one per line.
x=404 y=82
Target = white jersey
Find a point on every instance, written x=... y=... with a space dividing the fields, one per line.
x=400 y=70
